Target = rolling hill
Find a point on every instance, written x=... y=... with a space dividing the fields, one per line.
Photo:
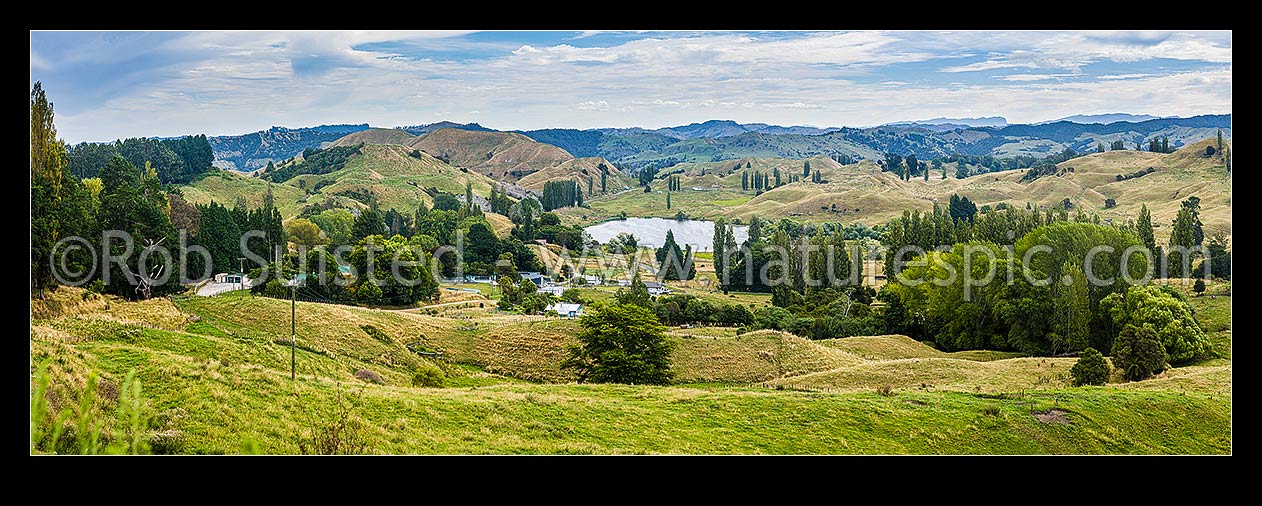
x=387 y=172
x=502 y=155
x=376 y=136
x=580 y=169
x=864 y=193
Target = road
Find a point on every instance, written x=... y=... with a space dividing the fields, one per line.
x=213 y=288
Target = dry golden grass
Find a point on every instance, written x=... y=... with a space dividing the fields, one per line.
x=861 y=192
x=376 y=136
x=446 y=294
x=1009 y=375
x=1213 y=379
x=70 y=302
x=530 y=348
x=500 y=224
x=752 y=357
x=492 y=153
x=897 y=346
x=579 y=169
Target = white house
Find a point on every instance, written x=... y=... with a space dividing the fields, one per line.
x=566 y=309
x=228 y=278
x=655 y=288
x=552 y=289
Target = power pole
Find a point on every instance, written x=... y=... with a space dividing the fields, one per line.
x=293 y=332
x=241 y=271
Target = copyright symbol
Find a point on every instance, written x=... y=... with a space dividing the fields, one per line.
x=63 y=272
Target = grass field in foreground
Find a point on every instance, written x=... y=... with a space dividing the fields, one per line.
x=215 y=378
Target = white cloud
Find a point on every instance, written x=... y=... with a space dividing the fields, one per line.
x=1073 y=50
x=235 y=82
x=1113 y=77
x=990 y=65
x=1033 y=77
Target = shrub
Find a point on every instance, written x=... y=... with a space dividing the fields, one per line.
x=369 y=376
x=624 y=343
x=885 y=390
x=428 y=376
x=376 y=333
x=338 y=434
x=1091 y=369
x=1198 y=286
x=1138 y=352
x=990 y=411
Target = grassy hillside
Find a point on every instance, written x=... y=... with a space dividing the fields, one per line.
x=225 y=186
x=502 y=155
x=215 y=375
x=579 y=169
x=388 y=172
x=376 y=136
x=861 y=192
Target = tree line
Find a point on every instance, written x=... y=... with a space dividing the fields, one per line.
x=176 y=161
x=558 y=194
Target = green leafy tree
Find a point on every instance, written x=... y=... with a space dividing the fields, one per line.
x=1185 y=234
x=304 y=232
x=61 y=206
x=381 y=286
x=637 y=294
x=1166 y=312
x=1090 y=369
x=1143 y=226
x=132 y=202
x=481 y=246
x=218 y=232
x=1072 y=305
x=623 y=343
x=336 y=225
x=368 y=223
x=446 y=202
x=1138 y=352
x=674 y=263
x=1219 y=258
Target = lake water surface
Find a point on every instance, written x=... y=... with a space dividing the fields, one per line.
x=652 y=232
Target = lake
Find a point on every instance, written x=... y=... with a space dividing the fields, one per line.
x=652 y=232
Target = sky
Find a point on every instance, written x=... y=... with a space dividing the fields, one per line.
x=111 y=85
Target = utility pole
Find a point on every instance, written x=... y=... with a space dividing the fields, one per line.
x=241 y=271
x=293 y=332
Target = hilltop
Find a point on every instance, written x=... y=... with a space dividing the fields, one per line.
x=502 y=155
x=376 y=136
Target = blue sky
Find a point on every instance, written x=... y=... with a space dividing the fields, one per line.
x=109 y=85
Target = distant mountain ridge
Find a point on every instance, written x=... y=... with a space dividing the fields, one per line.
x=988 y=121
x=1105 y=119
x=253 y=150
x=718 y=140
